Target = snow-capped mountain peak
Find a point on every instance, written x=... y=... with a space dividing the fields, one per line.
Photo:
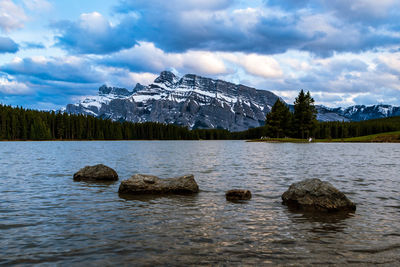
x=191 y=100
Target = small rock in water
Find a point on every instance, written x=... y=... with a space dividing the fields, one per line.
x=98 y=172
x=316 y=195
x=238 y=194
x=148 y=184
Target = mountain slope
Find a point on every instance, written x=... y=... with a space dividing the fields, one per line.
x=192 y=101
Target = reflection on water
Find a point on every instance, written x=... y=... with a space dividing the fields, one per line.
x=46 y=217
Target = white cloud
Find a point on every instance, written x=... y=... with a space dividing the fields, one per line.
x=37 y=5
x=121 y=77
x=9 y=86
x=94 y=22
x=254 y=64
x=143 y=78
x=392 y=60
x=264 y=66
x=203 y=62
x=11 y=16
x=148 y=58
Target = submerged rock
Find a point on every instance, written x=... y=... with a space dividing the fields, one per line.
x=238 y=194
x=316 y=195
x=98 y=172
x=149 y=184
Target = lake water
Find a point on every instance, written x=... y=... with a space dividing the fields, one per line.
x=47 y=218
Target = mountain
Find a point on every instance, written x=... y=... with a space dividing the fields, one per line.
x=199 y=102
x=192 y=100
x=357 y=113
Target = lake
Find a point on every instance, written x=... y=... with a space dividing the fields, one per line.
x=47 y=218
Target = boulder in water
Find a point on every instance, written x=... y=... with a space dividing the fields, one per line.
x=238 y=194
x=316 y=195
x=140 y=184
x=98 y=172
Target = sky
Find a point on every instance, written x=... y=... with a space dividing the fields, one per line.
x=344 y=52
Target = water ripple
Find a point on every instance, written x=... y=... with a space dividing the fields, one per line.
x=47 y=218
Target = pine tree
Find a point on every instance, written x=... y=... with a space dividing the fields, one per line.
x=279 y=120
x=304 y=115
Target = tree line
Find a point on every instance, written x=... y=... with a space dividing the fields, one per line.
x=24 y=124
x=338 y=130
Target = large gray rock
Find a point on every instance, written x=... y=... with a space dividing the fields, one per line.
x=98 y=172
x=316 y=195
x=148 y=184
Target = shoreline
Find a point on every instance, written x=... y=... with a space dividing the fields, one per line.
x=388 y=137
x=318 y=141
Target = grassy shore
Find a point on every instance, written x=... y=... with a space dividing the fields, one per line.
x=390 y=137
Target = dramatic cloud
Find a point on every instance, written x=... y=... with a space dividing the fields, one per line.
x=316 y=27
x=7 y=45
x=70 y=69
x=301 y=25
x=11 y=16
x=93 y=34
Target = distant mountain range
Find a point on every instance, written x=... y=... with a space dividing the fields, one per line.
x=199 y=102
x=357 y=113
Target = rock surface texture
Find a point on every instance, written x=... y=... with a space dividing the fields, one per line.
x=149 y=184
x=98 y=172
x=238 y=194
x=316 y=195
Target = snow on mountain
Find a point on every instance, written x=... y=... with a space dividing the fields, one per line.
x=192 y=101
x=360 y=112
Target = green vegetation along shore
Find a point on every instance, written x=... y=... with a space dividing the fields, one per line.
x=388 y=137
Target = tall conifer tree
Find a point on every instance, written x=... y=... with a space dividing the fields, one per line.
x=279 y=120
x=304 y=115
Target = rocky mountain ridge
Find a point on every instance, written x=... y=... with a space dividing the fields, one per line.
x=193 y=101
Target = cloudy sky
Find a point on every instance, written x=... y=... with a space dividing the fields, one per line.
x=345 y=52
